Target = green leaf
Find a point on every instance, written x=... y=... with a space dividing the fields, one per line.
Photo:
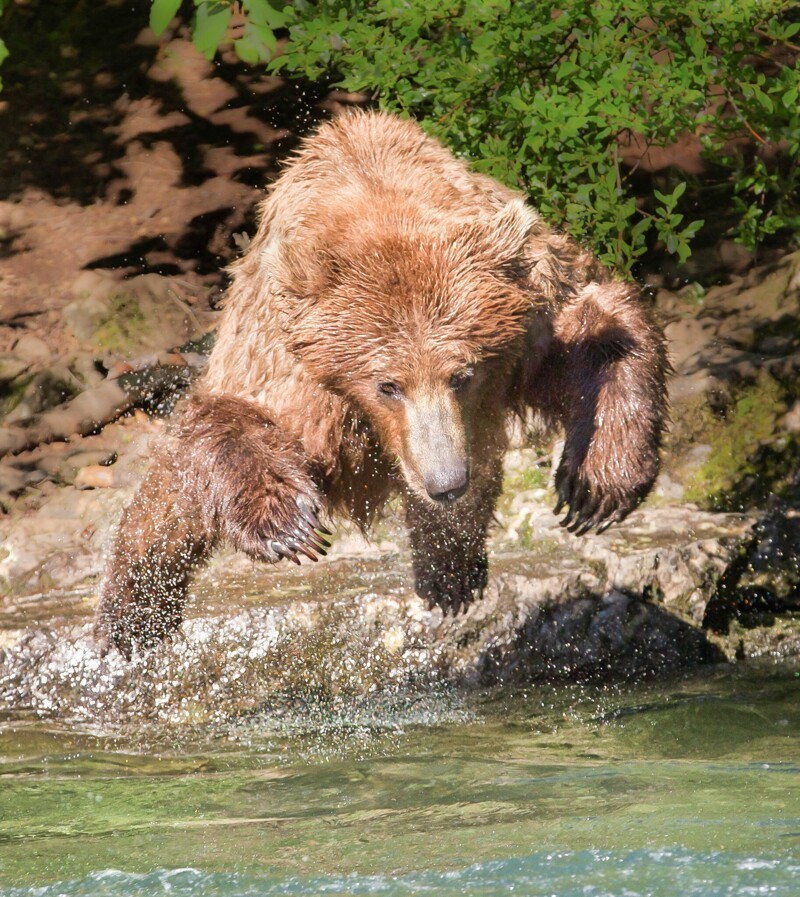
x=696 y=42
x=210 y=26
x=261 y=12
x=691 y=229
x=256 y=45
x=516 y=102
x=764 y=99
x=247 y=49
x=565 y=69
x=162 y=12
x=640 y=228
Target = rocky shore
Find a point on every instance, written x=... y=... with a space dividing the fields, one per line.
x=672 y=587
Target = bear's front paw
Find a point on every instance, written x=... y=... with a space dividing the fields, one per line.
x=306 y=535
x=452 y=589
x=591 y=503
x=108 y=636
x=283 y=530
x=142 y=615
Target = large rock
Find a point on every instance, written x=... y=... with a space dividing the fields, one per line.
x=615 y=607
x=735 y=331
x=736 y=352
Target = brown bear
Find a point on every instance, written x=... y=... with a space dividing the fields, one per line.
x=392 y=312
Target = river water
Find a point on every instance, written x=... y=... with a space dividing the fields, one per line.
x=684 y=788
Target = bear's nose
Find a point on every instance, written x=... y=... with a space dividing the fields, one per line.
x=448 y=485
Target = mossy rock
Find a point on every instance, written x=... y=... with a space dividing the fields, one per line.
x=748 y=458
x=141 y=315
x=123 y=327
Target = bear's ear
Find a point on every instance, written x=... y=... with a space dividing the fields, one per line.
x=508 y=236
x=303 y=270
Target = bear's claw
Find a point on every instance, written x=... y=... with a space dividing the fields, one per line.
x=588 y=510
x=310 y=513
x=307 y=536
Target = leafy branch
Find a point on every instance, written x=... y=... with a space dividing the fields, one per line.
x=249 y=24
x=3 y=48
x=568 y=104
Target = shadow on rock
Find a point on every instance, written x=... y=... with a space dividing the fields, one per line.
x=613 y=637
x=763 y=580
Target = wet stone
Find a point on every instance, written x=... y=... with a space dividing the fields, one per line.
x=12 y=480
x=70 y=468
x=11 y=367
x=95 y=476
x=575 y=611
x=791 y=421
x=32 y=349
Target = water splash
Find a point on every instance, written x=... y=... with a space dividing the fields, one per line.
x=310 y=656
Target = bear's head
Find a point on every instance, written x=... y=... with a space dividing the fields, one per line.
x=419 y=328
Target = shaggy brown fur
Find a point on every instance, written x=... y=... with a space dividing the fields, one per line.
x=391 y=312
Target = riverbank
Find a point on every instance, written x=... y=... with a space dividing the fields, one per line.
x=110 y=284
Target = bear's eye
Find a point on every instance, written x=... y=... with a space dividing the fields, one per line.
x=390 y=389
x=461 y=378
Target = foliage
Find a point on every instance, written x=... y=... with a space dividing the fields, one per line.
x=254 y=40
x=561 y=102
x=3 y=48
x=546 y=100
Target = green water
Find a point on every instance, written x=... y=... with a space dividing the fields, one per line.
x=685 y=788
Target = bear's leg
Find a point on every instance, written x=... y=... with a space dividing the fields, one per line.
x=223 y=471
x=604 y=378
x=448 y=543
x=162 y=538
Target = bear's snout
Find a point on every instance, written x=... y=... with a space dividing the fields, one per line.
x=448 y=483
x=434 y=456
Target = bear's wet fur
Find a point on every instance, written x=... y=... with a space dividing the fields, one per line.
x=392 y=313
